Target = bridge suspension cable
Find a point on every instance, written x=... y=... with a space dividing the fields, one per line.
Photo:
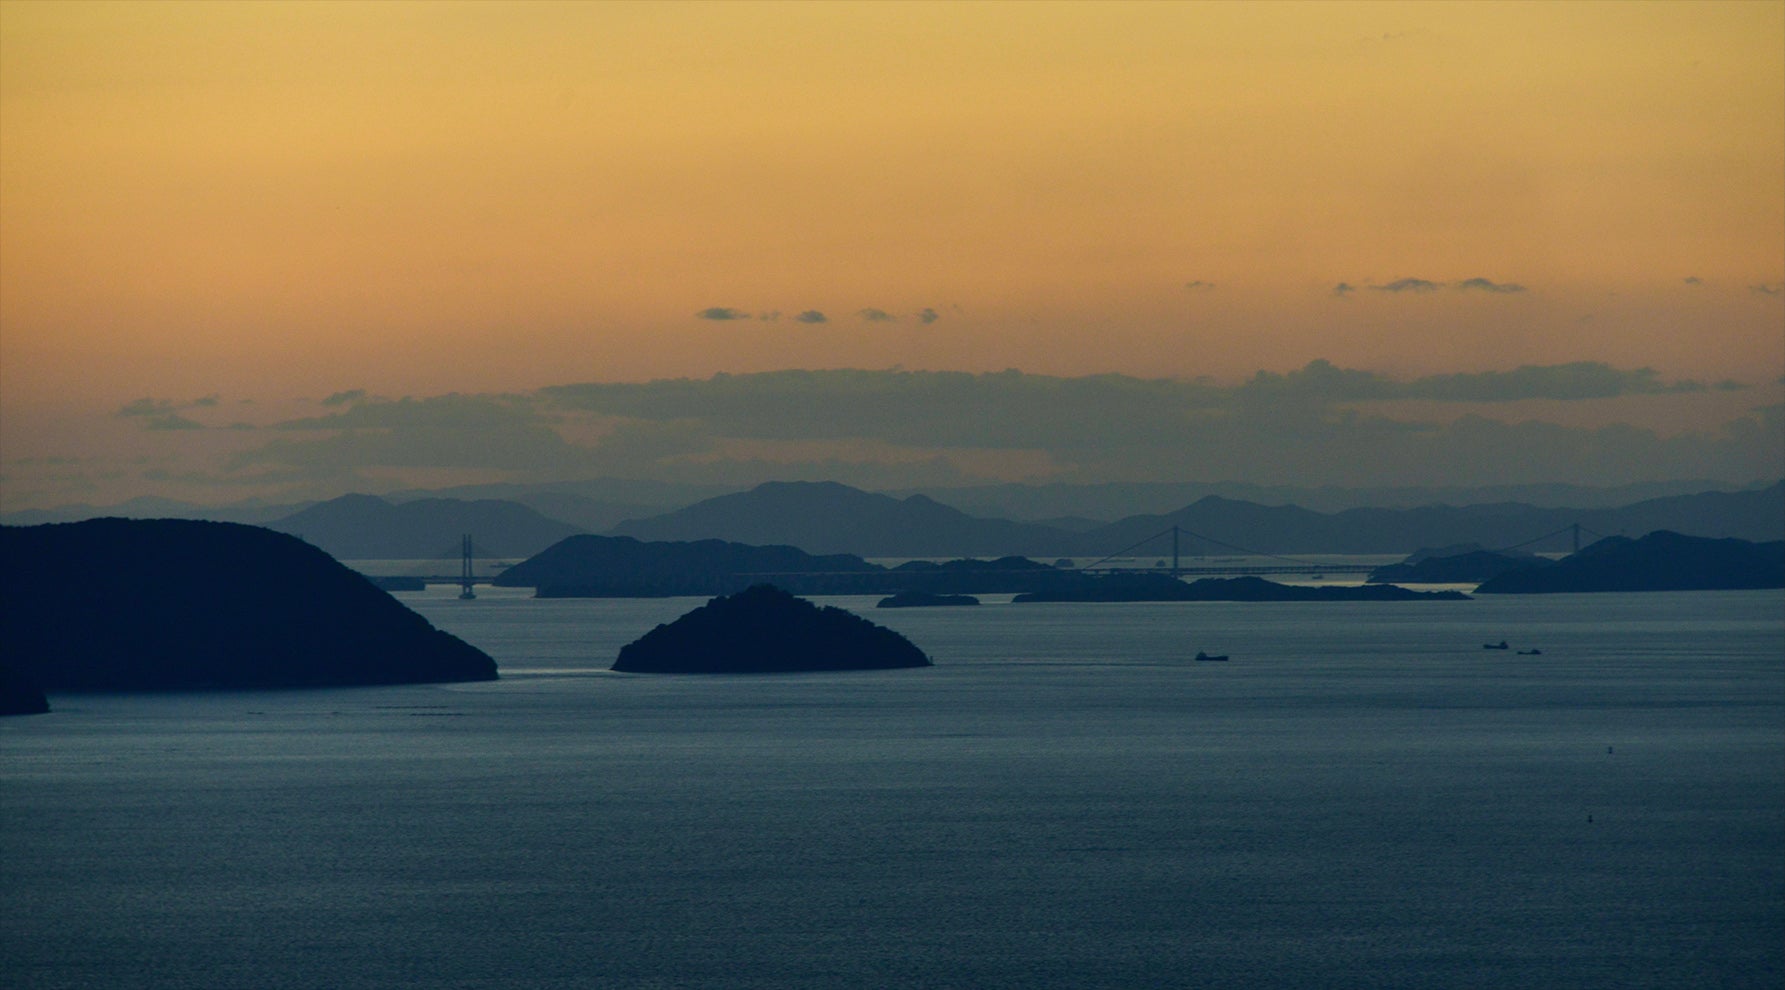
x=1206 y=539
x=1575 y=528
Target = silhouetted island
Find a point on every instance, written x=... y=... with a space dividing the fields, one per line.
x=19 y=696
x=1164 y=588
x=170 y=604
x=763 y=629
x=1660 y=561
x=1463 y=566
x=622 y=567
x=924 y=599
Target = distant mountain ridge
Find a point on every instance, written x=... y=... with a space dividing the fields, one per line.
x=825 y=517
x=366 y=527
x=833 y=518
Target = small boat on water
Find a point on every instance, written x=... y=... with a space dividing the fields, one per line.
x=1206 y=658
x=1530 y=653
x=1501 y=645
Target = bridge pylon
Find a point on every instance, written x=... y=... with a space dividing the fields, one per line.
x=465 y=591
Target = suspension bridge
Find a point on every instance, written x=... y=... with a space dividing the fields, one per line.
x=1233 y=561
x=433 y=570
x=1262 y=562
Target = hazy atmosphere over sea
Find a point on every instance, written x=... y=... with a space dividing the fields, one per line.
x=516 y=409
x=286 y=251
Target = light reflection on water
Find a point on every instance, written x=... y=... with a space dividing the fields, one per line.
x=1362 y=797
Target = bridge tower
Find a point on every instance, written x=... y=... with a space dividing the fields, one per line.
x=1576 y=529
x=465 y=591
x=1175 y=571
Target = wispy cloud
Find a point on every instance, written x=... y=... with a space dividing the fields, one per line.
x=1105 y=426
x=164 y=414
x=145 y=407
x=1769 y=288
x=1421 y=286
x=497 y=432
x=1692 y=280
x=1319 y=424
x=1198 y=286
x=869 y=314
x=1322 y=382
x=1407 y=285
x=1484 y=285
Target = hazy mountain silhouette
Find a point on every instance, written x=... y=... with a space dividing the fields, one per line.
x=1108 y=501
x=1660 y=561
x=590 y=515
x=1757 y=515
x=171 y=604
x=592 y=505
x=366 y=527
x=1754 y=515
x=827 y=517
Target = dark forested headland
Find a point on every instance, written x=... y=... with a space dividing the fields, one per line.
x=122 y=605
x=1660 y=561
x=20 y=696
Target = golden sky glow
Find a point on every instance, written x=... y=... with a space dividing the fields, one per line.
x=277 y=199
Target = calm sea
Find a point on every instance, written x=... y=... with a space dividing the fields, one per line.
x=1361 y=797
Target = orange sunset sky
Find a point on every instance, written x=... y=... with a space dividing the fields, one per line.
x=269 y=200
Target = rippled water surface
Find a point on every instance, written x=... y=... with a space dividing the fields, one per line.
x=1362 y=796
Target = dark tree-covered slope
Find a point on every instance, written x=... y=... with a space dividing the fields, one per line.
x=1660 y=561
x=19 y=696
x=120 y=605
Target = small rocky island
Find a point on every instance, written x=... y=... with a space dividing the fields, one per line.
x=763 y=629
x=925 y=599
x=173 y=604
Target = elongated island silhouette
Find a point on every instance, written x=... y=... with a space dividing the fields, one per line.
x=128 y=605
